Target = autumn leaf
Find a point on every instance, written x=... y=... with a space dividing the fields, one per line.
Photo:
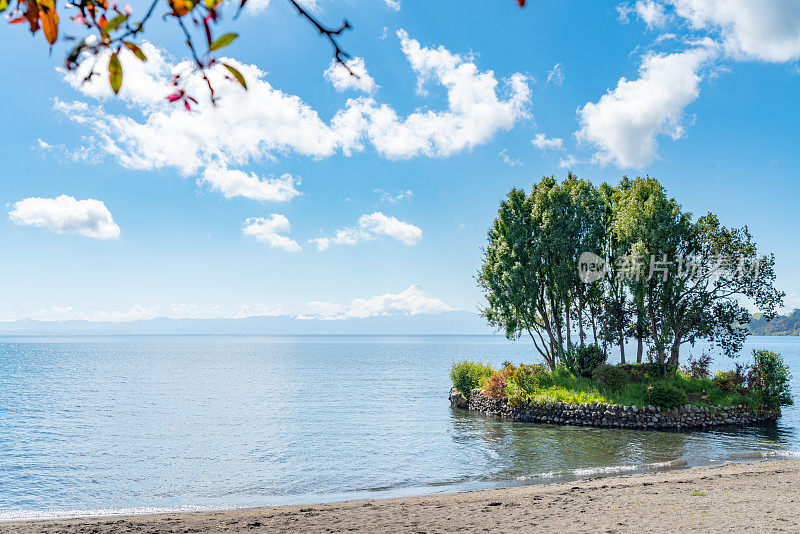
x=236 y=74
x=521 y=3
x=114 y=23
x=181 y=7
x=3 y=5
x=32 y=14
x=223 y=41
x=136 y=50
x=212 y=4
x=49 y=20
x=115 y=73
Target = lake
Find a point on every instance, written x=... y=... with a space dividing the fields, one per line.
x=148 y=423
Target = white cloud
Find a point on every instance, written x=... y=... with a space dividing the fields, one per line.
x=256 y=7
x=234 y=183
x=65 y=215
x=269 y=230
x=146 y=83
x=87 y=152
x=138 y=312
x=396 y=198
x=766 y=30
x=393 y=4
x=556 y=76
x=475 y=112
x=369 y=228
x=569 y=162
x=342 y=80
x=652 y=13
x=541 y=142
x=412 y=301
x=508 y=160
x=624 y=123
x=257 y=124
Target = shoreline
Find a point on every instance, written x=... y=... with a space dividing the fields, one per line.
x=734 y=496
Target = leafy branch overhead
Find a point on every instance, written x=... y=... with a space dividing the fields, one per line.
x=114 y=29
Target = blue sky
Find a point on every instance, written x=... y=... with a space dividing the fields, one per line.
x=701 y=95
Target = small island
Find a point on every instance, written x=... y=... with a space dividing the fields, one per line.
x=583 y=269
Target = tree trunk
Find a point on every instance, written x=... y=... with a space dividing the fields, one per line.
x=569 y=327
x=581 y=333
x=639 y=348
x=621 y=349
x=675 y=352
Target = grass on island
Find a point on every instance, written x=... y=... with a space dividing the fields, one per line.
x=630 y=385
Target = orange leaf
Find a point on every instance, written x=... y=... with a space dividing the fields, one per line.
x=49 y=18
x=181 y=7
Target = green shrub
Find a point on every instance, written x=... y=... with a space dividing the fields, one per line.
x=582 y=361
x=467 y=376
x=664 y=395
x=530 y=378
x=610 y=377
x=636 y=371
x=729 y=381
x=769 y=379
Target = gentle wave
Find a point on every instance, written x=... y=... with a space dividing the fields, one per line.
x=608 y=470
x=755 y=455
x=30 y=515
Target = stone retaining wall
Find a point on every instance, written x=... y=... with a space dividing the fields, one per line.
x=686 y=417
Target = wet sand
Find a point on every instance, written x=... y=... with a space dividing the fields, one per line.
x=762 y=496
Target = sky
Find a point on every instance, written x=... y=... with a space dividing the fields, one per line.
x=318 y=194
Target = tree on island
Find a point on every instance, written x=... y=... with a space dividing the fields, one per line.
x=671 y=280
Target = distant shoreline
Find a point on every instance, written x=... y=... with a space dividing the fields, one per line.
x=733 y=496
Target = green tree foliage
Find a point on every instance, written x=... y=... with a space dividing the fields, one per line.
x=675 y=280
x=467 y=376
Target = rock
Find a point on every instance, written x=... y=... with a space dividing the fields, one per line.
x=458 y=400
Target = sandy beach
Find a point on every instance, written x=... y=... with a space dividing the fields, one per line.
x=760 y=495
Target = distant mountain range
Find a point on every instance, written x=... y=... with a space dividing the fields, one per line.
x=782 y=325
x=455 y=322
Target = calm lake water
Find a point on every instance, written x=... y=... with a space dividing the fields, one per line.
x=135 y=424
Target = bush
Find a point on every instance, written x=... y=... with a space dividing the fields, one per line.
x=733 y=381
x=495 y=386
x=636 y=371
x=699 y=368
x=467 y=376
x=610 y=377
x=769 y=379
x=582 y=361
x=664 y=395
x=529 y=378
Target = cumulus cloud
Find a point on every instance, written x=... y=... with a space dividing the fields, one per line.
x=765 y=30
x=257 y=124
x=541 y=142
x=412 y=301
x=475 y=114
x=393 y=4
x=235 y=183
x=342 y=80
x=624 y=124
x=66 y=215
x=269 y=230
x=371 y=227
x=652 y=13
